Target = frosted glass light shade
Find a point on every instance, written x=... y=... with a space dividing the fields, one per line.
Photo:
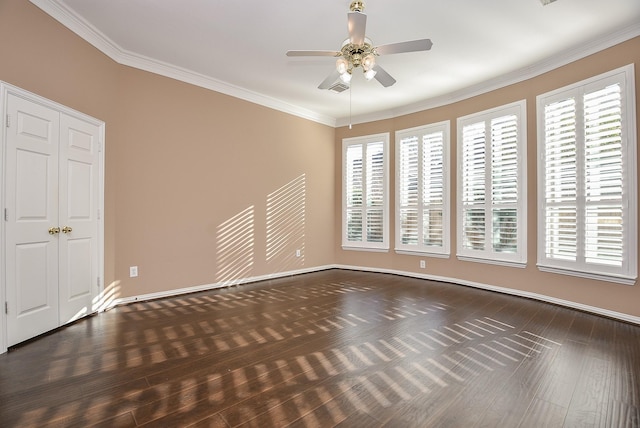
x=342 y=65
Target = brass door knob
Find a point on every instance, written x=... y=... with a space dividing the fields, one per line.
x=67 y=229
x=54 y=230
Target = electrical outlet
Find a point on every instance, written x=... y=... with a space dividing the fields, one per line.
x=423 y=264
x=133 y=271
x=297 y=253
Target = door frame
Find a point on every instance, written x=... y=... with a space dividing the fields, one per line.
x=98 y=287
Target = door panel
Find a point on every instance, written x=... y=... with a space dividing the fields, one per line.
x=79 y=193
x=31 y=194
x=32 y=177
x=76 y=284
x=33 y=293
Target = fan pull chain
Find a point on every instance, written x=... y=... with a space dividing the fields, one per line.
x=349 y=106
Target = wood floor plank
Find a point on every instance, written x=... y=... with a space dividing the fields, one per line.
x=543 y=414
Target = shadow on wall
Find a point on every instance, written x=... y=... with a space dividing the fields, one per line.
x=285 y=225
x=235 y=254
x=285 y=241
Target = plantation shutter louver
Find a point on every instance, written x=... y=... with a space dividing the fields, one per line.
x=421 y=189
x=354 y=190
x=588 y=175
x=492 y=173
x=504 y=183
x=474 y=186
x=375 y=192
x=433 y=189
x=365 y=193
x=603 y=177
x=561 y=180
x=409 y=190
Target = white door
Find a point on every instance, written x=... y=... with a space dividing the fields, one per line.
x=52 y=227
x=32 y=212
x=78 y=197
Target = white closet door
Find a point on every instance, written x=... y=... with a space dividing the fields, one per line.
x=31 y=219
x=79 y=199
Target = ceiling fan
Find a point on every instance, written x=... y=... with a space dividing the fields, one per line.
x=358 y=51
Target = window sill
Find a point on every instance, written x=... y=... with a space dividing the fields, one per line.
x=589 y=275
x=422 y=253
x=507 y=263
x=371 y=249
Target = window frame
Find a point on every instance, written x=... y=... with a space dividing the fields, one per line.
x=627 y=273
x=420 y=132
x=488 y=255
x=364 y=245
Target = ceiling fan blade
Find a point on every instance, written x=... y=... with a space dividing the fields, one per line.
x=326 y=83
x=314 y=53
x=411 y=46
x=357 y=25
x=383 y=77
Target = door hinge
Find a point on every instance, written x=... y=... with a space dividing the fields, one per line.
x=8 y=120
x=6 y=308
x=98 y=281
x=99 y=214
x=6 y=215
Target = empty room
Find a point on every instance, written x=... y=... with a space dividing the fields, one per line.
x=341 y=213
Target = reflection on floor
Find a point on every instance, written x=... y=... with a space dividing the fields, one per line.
x=326 y=349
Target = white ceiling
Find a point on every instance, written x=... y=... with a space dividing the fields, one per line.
x=238 y=47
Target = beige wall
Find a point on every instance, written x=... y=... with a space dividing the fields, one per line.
x=200 y=187
x=212 y=189
x=187 y=168
x=609 y=296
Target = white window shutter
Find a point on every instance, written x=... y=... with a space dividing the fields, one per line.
x=560 y=184
x=603 y=177
x=504 y=183
x=492 y=185
x=365 y=198
x=589 y=180
x=409 y=190
x=354 y=193
x=433 y=189
x=422 y=224
x=375 y=195
x=474 y=187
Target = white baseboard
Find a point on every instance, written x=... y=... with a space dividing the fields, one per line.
x=455 y=281
x=213 y=286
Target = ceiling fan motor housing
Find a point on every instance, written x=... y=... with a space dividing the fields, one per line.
x=355 y=53
x=357 y=6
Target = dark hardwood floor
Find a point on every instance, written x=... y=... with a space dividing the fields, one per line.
x=332 y=348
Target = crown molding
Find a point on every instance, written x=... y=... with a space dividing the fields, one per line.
x=174 y=72
x=89 y=33
x=93 y=36
x=517 y=76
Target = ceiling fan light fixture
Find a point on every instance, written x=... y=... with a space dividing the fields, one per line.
x=342 y=65
x=370 y=74
x=358 y=50
x=368 y=62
